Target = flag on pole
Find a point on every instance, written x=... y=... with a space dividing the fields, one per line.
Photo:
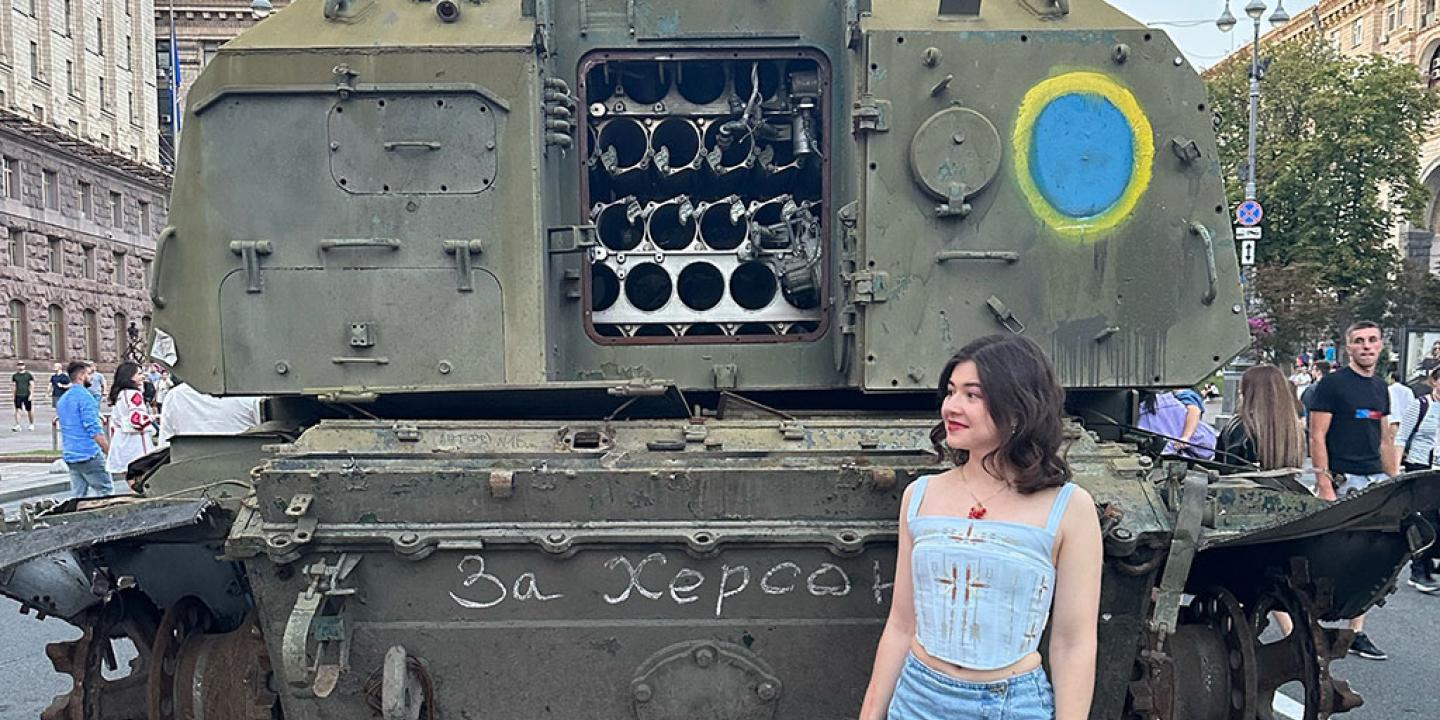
x=174 y=80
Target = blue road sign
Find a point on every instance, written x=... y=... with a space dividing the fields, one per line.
x=1249 y=213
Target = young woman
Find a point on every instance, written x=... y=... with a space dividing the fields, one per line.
x=1266 y=429
x=130 y=423
x=1176 y=417
x=984 y=547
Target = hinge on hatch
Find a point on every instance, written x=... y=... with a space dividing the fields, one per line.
x=870 y=114
x=868 y=287
x=569 y=238
x=250 y=252
x=462 y=250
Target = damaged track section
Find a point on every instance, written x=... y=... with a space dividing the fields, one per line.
x=166 y=626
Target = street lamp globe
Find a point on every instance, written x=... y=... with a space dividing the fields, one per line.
x=1226 y=21
x=1279 y=17
x=1255 y=9
x=261 y=9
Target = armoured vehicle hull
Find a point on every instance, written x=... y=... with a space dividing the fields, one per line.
x=601 y=336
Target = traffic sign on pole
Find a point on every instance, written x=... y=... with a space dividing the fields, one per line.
x=1249 y=213
x=1247 y=252
x=1247 y=233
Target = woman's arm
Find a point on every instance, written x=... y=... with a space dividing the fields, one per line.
x=899 y=628
x=1075 y=624
x=1192 y=422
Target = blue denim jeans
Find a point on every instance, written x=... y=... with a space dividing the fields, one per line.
x=89 y=478
x=925 y=693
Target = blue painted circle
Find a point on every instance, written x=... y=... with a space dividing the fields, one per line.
x=1082 y=154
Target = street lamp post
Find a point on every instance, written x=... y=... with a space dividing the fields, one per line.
x=1254 y=9
x=1226 y=22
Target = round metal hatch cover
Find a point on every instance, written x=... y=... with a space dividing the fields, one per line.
x=955 y=153
x=705 y=679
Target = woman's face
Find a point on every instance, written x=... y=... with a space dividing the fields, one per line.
x=138 y=378
x=966 y=414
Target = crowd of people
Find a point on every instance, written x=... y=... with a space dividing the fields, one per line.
x=146 y=408
x=1355 y=428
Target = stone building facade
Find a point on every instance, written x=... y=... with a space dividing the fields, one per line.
x=1406 y=31
x=85 y=68
x=200 y=29
x=77 y=243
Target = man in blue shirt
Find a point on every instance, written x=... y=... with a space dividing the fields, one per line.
x=83 y=435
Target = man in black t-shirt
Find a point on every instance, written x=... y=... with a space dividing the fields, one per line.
x=1350 y=438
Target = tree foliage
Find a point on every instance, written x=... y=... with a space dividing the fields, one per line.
x=1338 y=147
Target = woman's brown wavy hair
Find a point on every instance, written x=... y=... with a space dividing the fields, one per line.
x=1022 y=393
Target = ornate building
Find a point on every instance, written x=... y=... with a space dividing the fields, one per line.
x=77 y=240
x=81 y=194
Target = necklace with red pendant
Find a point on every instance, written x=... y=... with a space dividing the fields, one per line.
x=978 y=510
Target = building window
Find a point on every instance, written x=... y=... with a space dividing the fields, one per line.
x=1435 y=68
x=119 y=268
x=12 y=178
x=1400 y=14
x=1357 y=32
x=122 y=339
x=19 y=329
x=69 y=17
x=103 y=104
x=70 y=78
x=129 y=48
x=55 y=332
x=56 y=262
x=117 y=210
x=17 y=247
x=87 y=201
x=100 y=36
x=34 y=60
x=144 y=218
x=1390 y=19
x=51 y=182
x=130 y=106
x=92 y=335
x=145 y=271
x=90 y=262
x=74 y=126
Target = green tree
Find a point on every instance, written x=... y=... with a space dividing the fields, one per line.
x=1337 y=164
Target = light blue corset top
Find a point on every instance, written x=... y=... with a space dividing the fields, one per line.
x=982 y=587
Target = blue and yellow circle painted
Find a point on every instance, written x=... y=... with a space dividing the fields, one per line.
x=1084 y=152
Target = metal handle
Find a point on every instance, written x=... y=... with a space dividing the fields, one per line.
x=947 y=255
x=341 y=243
x=360 y=360
x=157 y=272
x=423 y=144
x=1210 y=273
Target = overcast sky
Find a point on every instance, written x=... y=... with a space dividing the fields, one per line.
x=1191 y=24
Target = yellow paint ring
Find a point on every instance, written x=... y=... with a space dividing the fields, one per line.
x=1142 y=162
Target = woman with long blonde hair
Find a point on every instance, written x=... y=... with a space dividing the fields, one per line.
x=1266 y=429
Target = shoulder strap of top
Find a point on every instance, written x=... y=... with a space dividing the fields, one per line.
x=1057 y=511
x=917 y=496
